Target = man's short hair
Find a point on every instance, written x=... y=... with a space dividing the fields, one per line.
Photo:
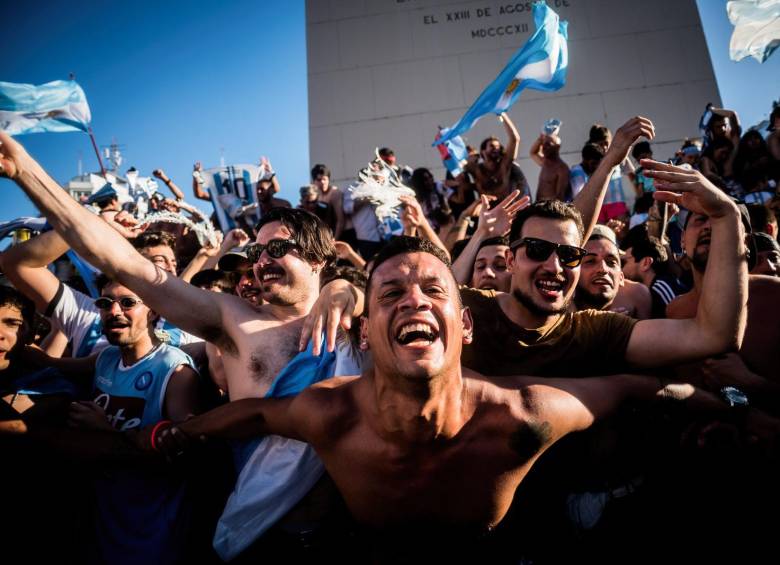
x=765 y=242
x=499 y=240
x=9 y=296
x=386 y=152
x=487 y=140
x=319 y=169
x=591 y=151
x=315 y=240
x=598 y=133
x=652 y=247
x=212 y=277
x=356 y=277
x=760 y=216
x=102 y=281
x=640 y=149
x=154 y=239
x=553 y=209
x=403 y=244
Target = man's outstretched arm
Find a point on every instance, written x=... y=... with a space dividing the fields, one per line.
x=589 y=200
x=25 y=265
x=192 y=309
x=239 y=420
x=720 y=320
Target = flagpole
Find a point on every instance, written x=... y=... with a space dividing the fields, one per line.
x=97 y=152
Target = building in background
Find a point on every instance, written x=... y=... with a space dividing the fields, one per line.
x=386 y=73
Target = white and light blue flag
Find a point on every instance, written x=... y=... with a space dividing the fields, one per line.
x=56 y=106
x=756 y=28
x=539 y=64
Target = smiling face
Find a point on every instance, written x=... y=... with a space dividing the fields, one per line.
x=600 y=274
x=490 y=269
x=247 y=286
x=544 y=288
x=415 y=324
x=124 y=327
x=11 y=329
x=287 y=280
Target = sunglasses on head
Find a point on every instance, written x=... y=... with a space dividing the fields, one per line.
x=541 y=249
x=125 y=303
x=276 y=248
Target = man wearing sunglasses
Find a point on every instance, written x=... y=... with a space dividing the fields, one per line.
x=257 y=343
x=136 y=381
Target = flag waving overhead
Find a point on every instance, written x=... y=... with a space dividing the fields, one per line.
x=756 y=28
x=539 y=64
x=56 y=106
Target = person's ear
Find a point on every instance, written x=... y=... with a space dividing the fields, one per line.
x=363 y=333
x=645 y=263
x=509 y=255
x=468 y=325
x=621 y=279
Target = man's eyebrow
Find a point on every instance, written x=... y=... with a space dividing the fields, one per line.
x=9 y=319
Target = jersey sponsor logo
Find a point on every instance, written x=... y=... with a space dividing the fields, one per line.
x=123 y=412
x=143 y=381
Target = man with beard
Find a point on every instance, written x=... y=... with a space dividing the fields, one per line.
x=602 y=285
x=136 y=381
x=754 y=368
x=258 y=343
x=402 y=440
x=554 y=177
x=266 y=189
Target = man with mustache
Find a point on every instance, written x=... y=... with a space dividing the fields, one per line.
x=136 y=381
x=602 y=285
x=258 y=343
x=426 y=452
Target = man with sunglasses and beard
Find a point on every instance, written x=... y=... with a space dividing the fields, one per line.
x=137 y=381
x=258 y=343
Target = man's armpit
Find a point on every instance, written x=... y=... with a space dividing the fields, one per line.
x=530 y=438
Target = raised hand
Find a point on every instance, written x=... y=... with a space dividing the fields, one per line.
x=688 y=188
x=626 y=136
x=13 y=157
x=497 y=221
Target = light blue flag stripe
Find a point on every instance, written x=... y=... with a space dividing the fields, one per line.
x=56 y=106
x=540 y=64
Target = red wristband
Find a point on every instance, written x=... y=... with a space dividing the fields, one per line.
x=155 y=429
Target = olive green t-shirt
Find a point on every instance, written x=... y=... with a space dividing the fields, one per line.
x=581 y=344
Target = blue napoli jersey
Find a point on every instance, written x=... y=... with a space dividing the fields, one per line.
x=134 y=397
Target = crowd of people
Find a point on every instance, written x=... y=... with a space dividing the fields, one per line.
x=407 y=368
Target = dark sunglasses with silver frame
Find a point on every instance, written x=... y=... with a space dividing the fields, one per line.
x=276 y=248
x=125 y=303
x=540 y=250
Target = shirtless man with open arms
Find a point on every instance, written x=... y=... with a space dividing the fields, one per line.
x=419 y=445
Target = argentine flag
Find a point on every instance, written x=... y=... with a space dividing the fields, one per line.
x=756 y=28
x=56 y=106
x=539 y=64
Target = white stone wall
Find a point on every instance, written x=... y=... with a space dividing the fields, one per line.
x=388 y=72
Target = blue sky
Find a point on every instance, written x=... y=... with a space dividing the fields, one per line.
x=174 y=82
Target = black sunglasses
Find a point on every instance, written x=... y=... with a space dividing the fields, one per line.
x=125 y=303
x=541 y=249
x=277 y=248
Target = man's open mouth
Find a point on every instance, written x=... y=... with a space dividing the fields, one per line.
x=270 y=274
x=550 y=288
x=420 y=333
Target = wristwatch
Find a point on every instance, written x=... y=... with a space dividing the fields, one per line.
x=735 y=398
